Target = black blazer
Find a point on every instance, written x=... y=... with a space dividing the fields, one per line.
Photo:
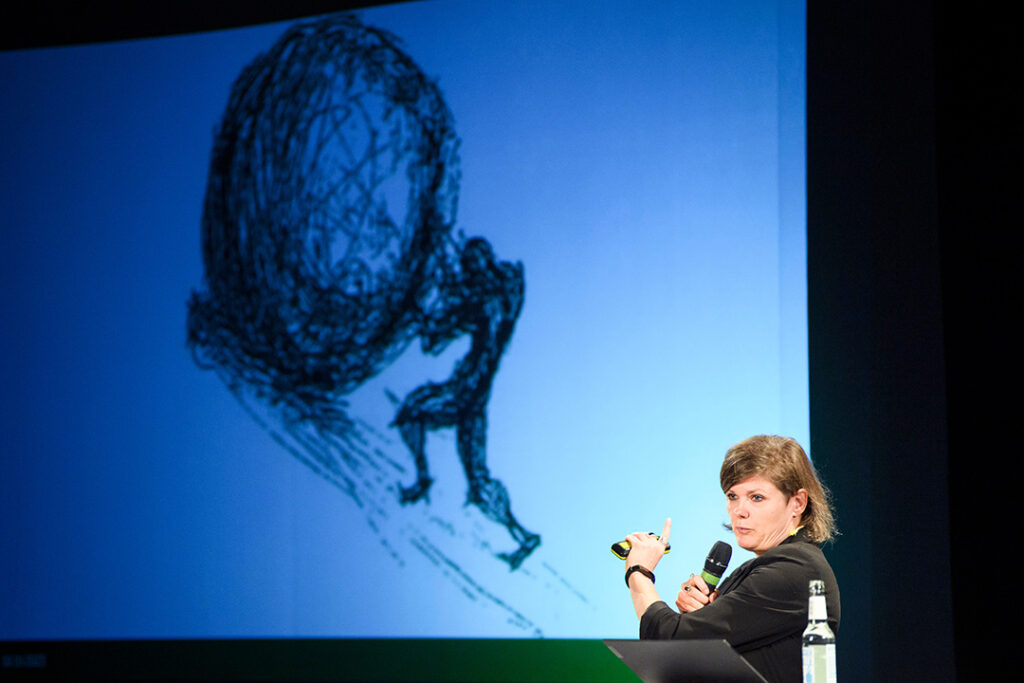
x=761 y=609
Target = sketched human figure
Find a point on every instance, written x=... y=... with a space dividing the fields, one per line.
x=326 y=230
x=483 y=300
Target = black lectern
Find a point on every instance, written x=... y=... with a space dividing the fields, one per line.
x=684 y=661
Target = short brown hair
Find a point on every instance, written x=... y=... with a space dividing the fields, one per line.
x=783 y=462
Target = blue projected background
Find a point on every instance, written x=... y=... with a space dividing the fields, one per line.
x=645 y=164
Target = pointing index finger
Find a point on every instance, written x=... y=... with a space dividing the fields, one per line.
x=666 y=531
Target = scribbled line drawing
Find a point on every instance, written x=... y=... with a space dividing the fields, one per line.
x=483 y=300
x=329 y=247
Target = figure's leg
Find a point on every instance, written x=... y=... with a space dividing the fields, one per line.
x=427 y=407
x=414 y=436
x=487 y=493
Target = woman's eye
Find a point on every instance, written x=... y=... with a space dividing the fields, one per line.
x=758 y=497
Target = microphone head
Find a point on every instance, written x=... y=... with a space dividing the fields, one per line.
x=716 y=563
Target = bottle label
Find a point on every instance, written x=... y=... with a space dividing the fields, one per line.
x=819 y=664
x=817 y=608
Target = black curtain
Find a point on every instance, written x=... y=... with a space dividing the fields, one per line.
x=913 y=160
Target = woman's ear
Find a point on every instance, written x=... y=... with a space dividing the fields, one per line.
x=798 y=503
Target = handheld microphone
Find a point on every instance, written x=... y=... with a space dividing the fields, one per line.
x=715 y=564
x=622 y=548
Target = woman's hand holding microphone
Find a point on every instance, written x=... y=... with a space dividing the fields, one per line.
x=694 y=594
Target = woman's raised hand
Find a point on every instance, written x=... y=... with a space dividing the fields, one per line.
x=647 y=550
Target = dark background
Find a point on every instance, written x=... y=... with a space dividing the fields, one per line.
x=913 y=249
x=913 y=284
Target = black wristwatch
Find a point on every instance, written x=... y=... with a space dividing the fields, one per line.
x=643 y=570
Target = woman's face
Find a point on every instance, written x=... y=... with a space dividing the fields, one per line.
x=761 y=515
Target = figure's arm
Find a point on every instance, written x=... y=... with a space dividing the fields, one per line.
x=439 y=328
x=439 y=316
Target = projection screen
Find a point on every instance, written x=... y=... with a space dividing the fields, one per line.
x=389 y=324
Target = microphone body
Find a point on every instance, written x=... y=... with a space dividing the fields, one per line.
x=716 y=563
